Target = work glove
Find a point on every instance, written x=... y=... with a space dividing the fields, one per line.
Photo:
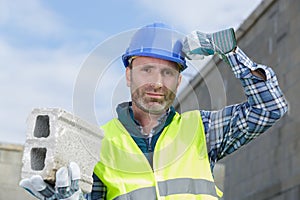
x=197 y=44
x=66 y=185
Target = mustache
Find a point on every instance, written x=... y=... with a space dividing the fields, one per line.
x=154 y=87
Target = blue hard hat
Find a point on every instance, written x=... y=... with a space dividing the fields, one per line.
x=156 y=40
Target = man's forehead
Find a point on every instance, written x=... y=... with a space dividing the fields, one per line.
x=144 y=60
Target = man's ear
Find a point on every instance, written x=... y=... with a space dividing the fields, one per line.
x=128 y=76
x=179 y=81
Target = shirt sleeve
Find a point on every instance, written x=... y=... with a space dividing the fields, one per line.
x=236 y=125
x=98 y=190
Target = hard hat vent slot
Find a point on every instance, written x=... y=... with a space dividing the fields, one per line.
x=41 y=128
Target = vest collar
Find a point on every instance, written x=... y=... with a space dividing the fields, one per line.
x=126 y=117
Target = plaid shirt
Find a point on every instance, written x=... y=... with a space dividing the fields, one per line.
x=233 y=126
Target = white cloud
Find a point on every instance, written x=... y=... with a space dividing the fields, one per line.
x=41 y=75
x=45 y=77
x=198 y=14
x=33 y=78
x=30 y=16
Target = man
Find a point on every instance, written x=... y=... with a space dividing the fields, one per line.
x=152 y=152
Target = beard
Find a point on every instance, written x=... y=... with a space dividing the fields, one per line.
x=152 y=105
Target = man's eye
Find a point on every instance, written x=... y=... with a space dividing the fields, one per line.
x=146 y=69
x=169 y=72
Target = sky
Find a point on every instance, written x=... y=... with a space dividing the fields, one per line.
x=47 y=47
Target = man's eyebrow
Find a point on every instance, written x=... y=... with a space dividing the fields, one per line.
x=150 y=65
x=147 y=65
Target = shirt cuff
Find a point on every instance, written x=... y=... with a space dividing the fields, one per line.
x=242 y=65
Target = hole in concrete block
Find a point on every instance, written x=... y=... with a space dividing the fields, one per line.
x=41 y=128
x=38 y=156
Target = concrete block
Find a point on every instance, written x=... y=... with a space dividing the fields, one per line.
x=55 y=138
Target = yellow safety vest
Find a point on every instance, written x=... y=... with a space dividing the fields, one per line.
x=181 y=168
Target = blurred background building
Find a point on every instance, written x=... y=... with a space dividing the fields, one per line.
x=268 y=168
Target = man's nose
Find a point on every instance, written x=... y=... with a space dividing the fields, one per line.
x=157 y=81
x=156 y=85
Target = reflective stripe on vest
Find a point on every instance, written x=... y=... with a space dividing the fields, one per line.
x=171 y=187
x=186 y=186
x=181 y=168
x=147 y=193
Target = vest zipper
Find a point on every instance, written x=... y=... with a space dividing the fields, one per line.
x=149 y=151
x=149 y=146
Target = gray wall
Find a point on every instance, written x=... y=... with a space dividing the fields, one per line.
x=268 y=168
x=10 y=171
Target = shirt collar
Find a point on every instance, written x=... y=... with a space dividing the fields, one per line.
x=126 y=117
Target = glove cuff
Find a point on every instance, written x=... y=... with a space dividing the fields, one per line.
x=224 y=41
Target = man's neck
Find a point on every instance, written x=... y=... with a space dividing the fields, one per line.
x=147 y=120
